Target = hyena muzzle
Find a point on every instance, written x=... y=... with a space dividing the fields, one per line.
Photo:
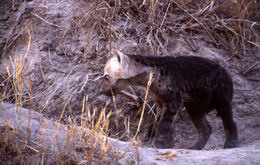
x=198 y=84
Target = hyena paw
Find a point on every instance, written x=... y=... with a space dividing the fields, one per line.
x=196 y=147
x=162 y=142
x=231 y=144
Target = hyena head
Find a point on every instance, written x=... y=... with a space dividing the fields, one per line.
x=113 y=69
x=120 y=71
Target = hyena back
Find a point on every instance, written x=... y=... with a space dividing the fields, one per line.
x=198 y=84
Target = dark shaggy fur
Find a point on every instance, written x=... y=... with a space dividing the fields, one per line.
x=198 y=84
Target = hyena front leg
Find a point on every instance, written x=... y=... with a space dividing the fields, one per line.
x=203 y=128
x=164 y=137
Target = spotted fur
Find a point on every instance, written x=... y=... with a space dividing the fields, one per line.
x=198 y=84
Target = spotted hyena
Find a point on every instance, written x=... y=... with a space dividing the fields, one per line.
x=198 y=84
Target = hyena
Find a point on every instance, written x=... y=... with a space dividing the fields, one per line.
x=198 y=84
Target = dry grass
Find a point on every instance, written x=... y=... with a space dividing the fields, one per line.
x=87 y=144
x=93 y=147
x=147 y=24
x=18 y=150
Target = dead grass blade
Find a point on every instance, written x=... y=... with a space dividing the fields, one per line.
x=145 y=98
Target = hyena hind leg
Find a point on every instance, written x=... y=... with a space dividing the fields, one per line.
x=229 y=124
x=224 y=110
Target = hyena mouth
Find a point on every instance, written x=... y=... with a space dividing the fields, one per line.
x=106 y=92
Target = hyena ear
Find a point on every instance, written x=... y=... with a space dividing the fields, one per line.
x=120 y=55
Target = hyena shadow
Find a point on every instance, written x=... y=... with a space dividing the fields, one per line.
x=196 y=83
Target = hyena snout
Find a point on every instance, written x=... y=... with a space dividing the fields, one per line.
x=106 y=92
x=115 y=88
x=106 y=88
x=110 y=90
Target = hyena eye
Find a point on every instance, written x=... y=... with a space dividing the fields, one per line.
x=106 y=77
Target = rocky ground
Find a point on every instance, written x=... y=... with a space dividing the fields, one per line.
x=63 y=46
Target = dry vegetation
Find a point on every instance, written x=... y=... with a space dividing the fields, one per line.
x=230 y=25
x=226 y=24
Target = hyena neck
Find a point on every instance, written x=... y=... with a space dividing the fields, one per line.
x=132 y=68
x=140 y=79
x=148 y=61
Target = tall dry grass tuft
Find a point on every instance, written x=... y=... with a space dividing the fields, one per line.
x=16 y=73
x=147 y=25
x=146 y=95
x=92 y=137
x=10 y=143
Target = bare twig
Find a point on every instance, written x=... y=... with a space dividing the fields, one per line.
x=132 y=90
x=165 y=15
x=151 y=109
x=36 y=15
x=252 y=67
x=257 y=44
x=84 y=85
x=160 y=43
x=237 y=20
x=132 y=96
x=99 y=77
x=255 y=87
